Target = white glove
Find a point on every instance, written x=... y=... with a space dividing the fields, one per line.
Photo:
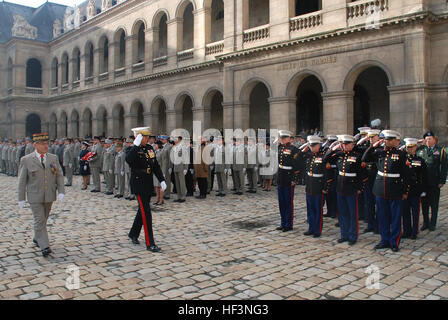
x=212 y=167
x=163 y=185
x=122 y=173
x=170 y=170
x=138 y=140
x=255 y=168
x=185 y=172
x=423 y=194
x=21 y=204
x=192 y=171
x=225 y=171
x=85 y=168
x=60 y=197
x=111 y=171
x=244 y=170
x=70 y=165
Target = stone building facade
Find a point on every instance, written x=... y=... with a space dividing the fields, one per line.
x=284 y=64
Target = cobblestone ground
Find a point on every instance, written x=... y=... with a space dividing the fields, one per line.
x=220 y=248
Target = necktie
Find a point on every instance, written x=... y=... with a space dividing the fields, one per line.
x=42 y=160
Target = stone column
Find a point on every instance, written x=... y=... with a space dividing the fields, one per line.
x=96 y=64
x=241 y=116
x=152 y=120
x=82 y=70
x=95 y=127
x=230 y=26
x=171 y=121
x=174 y=28
x=111 y=130
x=128 y=59
x=282 y=113
x=334 y=13
x=130 y=122
x=200 y=31
x=203 y=115
x=61 y=128
x=149 y=48
x=279 y=19
x=227 y=115
x=338 y=112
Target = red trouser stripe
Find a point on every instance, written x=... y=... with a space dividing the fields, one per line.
x=148 y=244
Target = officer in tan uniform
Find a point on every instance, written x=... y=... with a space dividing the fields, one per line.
x=40 y=176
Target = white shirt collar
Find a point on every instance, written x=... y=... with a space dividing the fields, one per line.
x=38 y=156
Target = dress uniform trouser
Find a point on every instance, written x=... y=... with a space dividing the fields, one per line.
x=389 y=218
x=332 y=201
x=110 y=181
x=314 y=210
x=41 y=211
x=143 y=218
x=189 y=183
x=181 y=188
x=167 y=192
x=221 y=177
x=431 y=200
x=369 y=207
x=411 y=212
x=96 y=178
x=348 y=217
x=120 y=184
x=210 y=179
x=286 y=205
x=239 y=180
x=252 y=176
x=128 y=185
x=69 y=174
x=2 y=166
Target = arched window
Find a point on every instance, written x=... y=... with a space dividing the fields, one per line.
x=33 y=73
x=65 y=68
x=9 y=75
x=76 y=64
x=215 y=31
x=140 y=44
x=256 y=13
x=89 y=60
x=120 y=49
x=104 y=54
x=54 y=73
x=161 y=36
x=188 y=28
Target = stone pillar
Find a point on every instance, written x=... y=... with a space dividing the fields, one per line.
x=227 y=115
x=338 y=112
x=61 y=128
x=334 y=13
x=128 y=59
x=82 y=70
x=230 y=26
x=95 y=127
x=171 y=121
x=149 y=49
x=70 y=129
x=130 y=121
x=152 y=119
x=279 y=19
x=200 y=31
x=202 y=115
x=110 y=126
x=174 y=28
x=96 y=64
x=241 y=116
x=282 y=113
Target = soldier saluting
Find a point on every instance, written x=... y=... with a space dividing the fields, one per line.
x=391 y=186
x=40 y=176
x=437 y=166
x=143 y=163
x=289 y=166
x=318 y=179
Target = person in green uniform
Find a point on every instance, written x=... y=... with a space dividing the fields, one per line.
x=437 y=165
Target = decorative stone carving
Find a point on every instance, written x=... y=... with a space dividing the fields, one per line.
x=91 y=9
x=68 y=20
x=106 y=4
x=57 y=28
x=77 y=18
x=21 y=28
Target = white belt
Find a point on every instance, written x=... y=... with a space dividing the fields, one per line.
x=333 y=166
x=285 y=167
x=389 y=175
x=344 y=174
x=315 y=175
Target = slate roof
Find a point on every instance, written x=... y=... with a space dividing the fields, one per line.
x=42 y=18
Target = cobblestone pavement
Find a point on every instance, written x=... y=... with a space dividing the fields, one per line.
x=220 y=248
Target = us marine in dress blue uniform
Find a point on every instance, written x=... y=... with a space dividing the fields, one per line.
x=287 y=177
x=317 y=180
x=143 y=163
x=418 y=183
x=331 y=197
x=351 y=181
x=391 y=187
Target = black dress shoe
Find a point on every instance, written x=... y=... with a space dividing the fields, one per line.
x=337 y=224
x=134 y=240
x=95 y=191
x=432 y=228
x=327 y=215
x=279 y=228
x=132 y=198
x=382 y=246
x=406 y=236
x=287 y=229
x=395 y=249
x=239 y=193
x=46 y=252
x=177 y=200
x=67 y=185
x=351 y=242
x=414 y=237
x=308 y=233
x=342 y=240
x=316 y=235
x=153 y=248
x=367 y=230
x=181 y=200
x=425 y=226
x=108 y=193
x=166 y=198
x=35 y=242
x=119 y=196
